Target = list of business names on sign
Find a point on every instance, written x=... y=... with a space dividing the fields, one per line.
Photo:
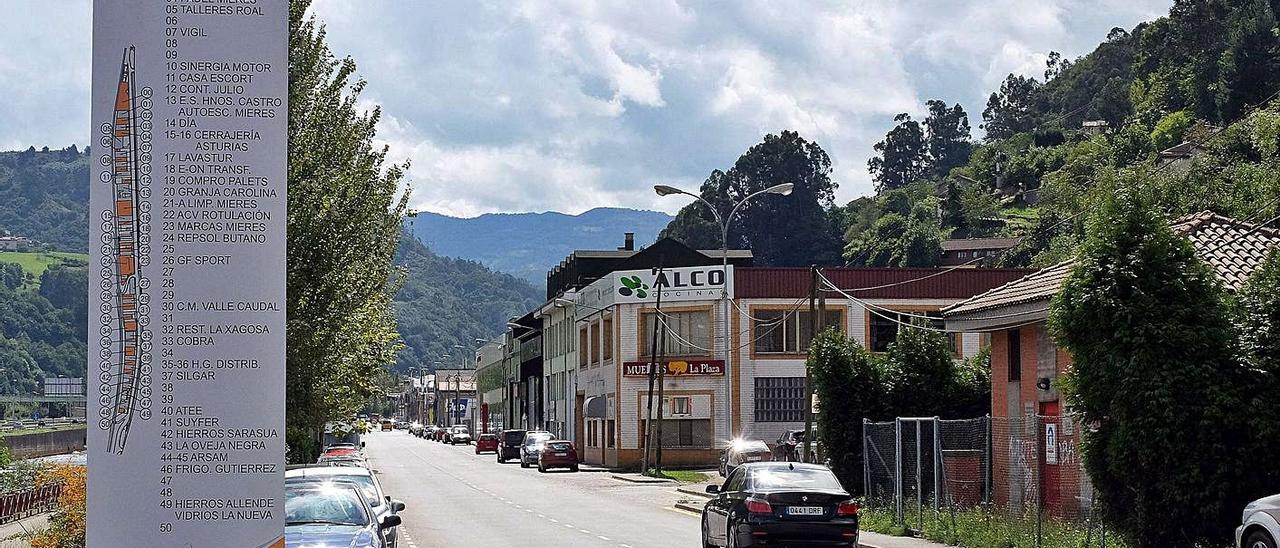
x=187 y=241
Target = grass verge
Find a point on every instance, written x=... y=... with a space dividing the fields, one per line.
x=36 y=262
x=683 y=476
x=976 y=528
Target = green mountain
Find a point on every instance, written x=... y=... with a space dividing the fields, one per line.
x=529 y=244
x=446 y=302
x=46 y=196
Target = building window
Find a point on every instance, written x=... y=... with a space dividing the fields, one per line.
x=962 y=254
x=785 y=332
x=779 y=399
x=686 y=433
x=607 y=342
x=582 y=347
x=680 y=405
x=1015 y=355
x=883 y=327
x=688 y=333
x=595 y=340
x=610 y=432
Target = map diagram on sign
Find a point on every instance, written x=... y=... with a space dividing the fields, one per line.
x=125 y=350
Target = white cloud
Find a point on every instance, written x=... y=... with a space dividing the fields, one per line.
x=571 y=104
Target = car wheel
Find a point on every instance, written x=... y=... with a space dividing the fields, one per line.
x=1259 y=539
x=542 y=468
x=573 y=468
x=523 y=464
x=731 y=535
x=706 y=533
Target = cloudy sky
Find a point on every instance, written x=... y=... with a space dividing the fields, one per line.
x=514 y=105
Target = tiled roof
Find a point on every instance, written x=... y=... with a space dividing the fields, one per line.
x=978 y=243
x=1232 y=248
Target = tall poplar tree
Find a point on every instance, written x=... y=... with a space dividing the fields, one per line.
x=345 y=211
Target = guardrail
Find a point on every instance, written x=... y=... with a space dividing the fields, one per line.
x=23 y=504
x=38 y=423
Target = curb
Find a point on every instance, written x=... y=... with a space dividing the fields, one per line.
x=641 y=479
x=688 y=508
x=693 y=492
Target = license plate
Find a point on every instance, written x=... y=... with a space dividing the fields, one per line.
x=753 y=459
x=805 y=510
x=562 y=454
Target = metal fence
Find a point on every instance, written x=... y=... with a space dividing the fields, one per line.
x=23 y=504
x=1026 y=467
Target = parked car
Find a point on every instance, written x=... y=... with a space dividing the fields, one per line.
x=1260 y=526
x=509 y=445
x=487 y=442
x=440 y=432
x=558 y=454
x=388 y=424
x=333 y=514
x=743 y=451
x=343 y=460
x=415 y=428
x=534 y=442
x=776 y=503
x=402 y=425
x=458 y=434
x=789 y=446
x=380 y=504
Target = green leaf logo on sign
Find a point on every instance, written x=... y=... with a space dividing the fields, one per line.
x=633 y=284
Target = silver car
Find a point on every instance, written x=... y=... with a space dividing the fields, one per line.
x=380 y=504
x=1260 y=526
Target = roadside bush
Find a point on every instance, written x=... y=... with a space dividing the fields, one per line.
x=1155 y=379
x=849 y=383
x=67 y=524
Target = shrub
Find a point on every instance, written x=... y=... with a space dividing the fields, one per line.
x=66 y=525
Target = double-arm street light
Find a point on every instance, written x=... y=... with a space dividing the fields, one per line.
x=724 y=221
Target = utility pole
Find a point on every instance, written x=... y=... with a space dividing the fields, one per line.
x=808 y=380
x=662 y=402
x=653 y=356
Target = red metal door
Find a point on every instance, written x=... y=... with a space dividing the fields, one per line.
x=1050 y=468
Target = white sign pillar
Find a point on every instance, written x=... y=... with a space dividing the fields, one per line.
x=187 y=283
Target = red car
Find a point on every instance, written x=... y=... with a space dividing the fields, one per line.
x=486 y=443
x=558 y=454
x=439 y=434
x=340 y=452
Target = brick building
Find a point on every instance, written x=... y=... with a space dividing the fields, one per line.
x=1031 y=423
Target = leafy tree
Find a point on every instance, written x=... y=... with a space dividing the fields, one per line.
x=1258 y=316
x=953 y=208
x=929 y=381
x=1170 y=130
x=344 y=225
x=895 y=239
x=902 y=157
x=794 y=230
x=849 y=383
x=1148 y=389
x=1011 y=110
x=947 y=136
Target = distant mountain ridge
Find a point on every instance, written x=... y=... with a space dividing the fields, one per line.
x=527 y=245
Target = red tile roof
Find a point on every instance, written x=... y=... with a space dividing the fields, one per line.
x=1232 y=248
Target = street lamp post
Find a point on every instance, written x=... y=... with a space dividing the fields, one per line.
x=783 y=189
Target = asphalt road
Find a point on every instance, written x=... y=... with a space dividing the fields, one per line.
x=455 y=498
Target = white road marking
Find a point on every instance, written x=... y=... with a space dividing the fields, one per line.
x=602 y=537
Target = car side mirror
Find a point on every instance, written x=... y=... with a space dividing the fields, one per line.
x=362 y=445
x=388 y=521
x=396 y=505
x=713 y=489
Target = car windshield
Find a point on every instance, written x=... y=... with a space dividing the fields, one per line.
x=459 y=430
x=750 y=446
x=778 y=478
x=324 y=505
x=488 y=437
x=362 y=481
x=536 y=439
x=558 y=446
x=515 y=437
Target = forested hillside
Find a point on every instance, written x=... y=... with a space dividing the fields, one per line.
x=43 y=322
x=1204 y=77
x=46 y=196
x=446 y=302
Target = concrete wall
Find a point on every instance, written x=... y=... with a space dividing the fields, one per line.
x=26 y=446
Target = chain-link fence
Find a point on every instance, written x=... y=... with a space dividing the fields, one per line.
x=1023 y=468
